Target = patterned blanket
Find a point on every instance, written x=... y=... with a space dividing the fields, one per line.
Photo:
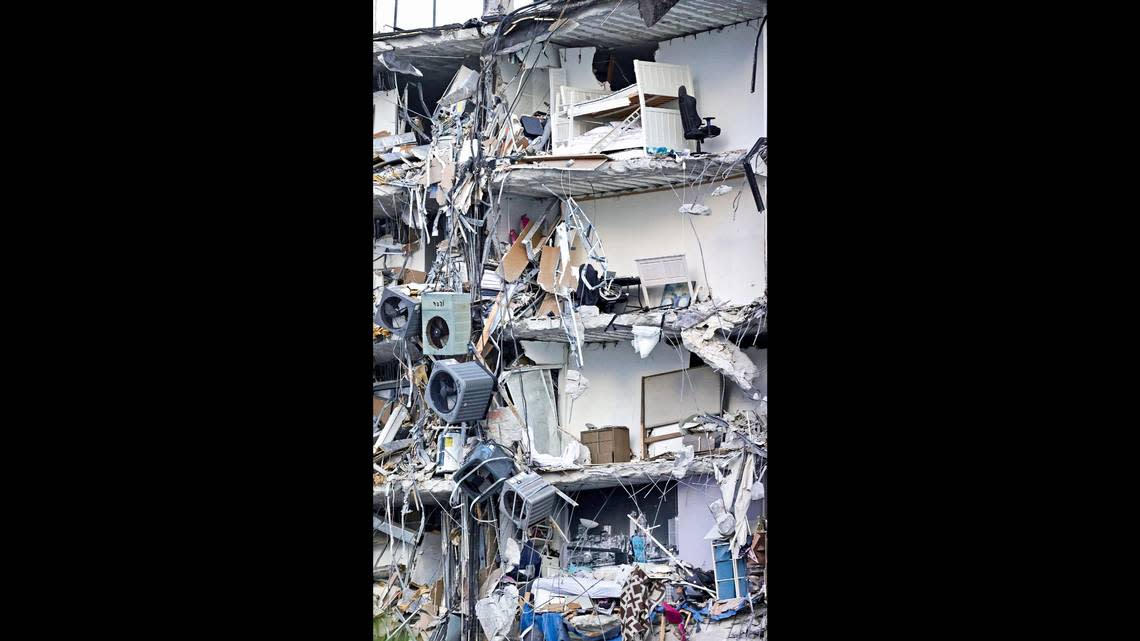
x=637 y=597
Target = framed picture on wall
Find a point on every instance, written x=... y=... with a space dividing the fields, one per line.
x=676 y=296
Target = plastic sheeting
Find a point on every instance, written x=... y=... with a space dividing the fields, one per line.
x=497 y=613
x=645 y=339
x=568 y=460
x=390 y=62
x=462 y=86
x=576 y=383
x=740 y=508
x=513 y=553
x=550 y=624
x=573 y=585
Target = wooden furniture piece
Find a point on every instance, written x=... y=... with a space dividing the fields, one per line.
x=662 y=271
x=653 y=98
x=607 y=444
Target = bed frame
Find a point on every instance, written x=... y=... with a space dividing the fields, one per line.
x=656 y=99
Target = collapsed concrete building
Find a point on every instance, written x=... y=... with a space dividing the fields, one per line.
x=570 y=323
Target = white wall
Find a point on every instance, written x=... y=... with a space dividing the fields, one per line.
x=614 y=397
x=648 y=225
x=417 y=261
x=385 y=119
x=534 y=93
x=693 y=499
x=415 y=15
x=579 y=66
x=513 y=209
x=721 y=62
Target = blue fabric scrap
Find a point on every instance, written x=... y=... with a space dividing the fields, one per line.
x=551 y=624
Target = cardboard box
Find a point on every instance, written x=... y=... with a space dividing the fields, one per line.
x=607 y=444
x=412 y=276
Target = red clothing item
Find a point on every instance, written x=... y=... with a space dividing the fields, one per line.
x=673 y=615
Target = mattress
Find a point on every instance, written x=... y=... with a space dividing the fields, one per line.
x=629 y=139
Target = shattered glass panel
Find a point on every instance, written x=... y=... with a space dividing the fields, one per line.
x=533 y=393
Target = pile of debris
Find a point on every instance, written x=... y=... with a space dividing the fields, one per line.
x=471 y=535
x=498 y=563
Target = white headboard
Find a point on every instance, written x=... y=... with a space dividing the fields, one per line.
x=660 y=79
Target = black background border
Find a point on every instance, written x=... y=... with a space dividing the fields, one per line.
x=226 y=319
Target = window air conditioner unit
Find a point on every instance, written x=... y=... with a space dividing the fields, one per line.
x=446 y=323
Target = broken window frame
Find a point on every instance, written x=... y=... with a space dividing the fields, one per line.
x=557 y=387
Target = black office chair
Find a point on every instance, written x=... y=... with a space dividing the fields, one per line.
x=691 y=120
x=532 y=127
